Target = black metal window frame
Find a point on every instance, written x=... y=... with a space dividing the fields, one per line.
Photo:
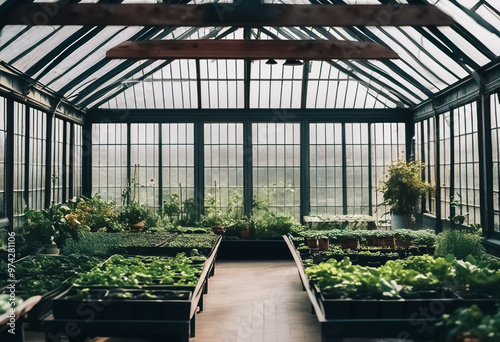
x=28 y=161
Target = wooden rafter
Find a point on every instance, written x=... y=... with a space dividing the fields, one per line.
x=251 y=49
x=227 y=14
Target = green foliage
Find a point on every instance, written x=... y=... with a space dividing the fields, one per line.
x=213 y=214
x=103 y=243
x=137 y=271
x=417 y=273
x=134 y=212
x=468 y=322
x=403 y=187
x=460 y=244
x=92 y=214
x=48 y=225
x=329 y=222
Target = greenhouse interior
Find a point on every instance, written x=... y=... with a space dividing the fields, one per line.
x=273 y=170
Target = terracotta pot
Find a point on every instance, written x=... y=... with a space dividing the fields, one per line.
x=351 y=243
x=383 y=241
x=218 y=230
x=312 y=242
x=323 y=244
x=137 y=227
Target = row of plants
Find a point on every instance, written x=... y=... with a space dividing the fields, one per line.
x=366 y=237
x=103 y=243
x=41 y=274
x=71 y=221
x=406 y=278
x=120 y=271
x=361 y=257
x=329 y=222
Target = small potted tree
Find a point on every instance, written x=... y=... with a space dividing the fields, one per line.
x=403 y=188
x=45 y=227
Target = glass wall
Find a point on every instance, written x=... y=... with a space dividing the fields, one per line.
x=276 y=165
x=57 y=176
x=445 y=164
x=466 y=163
x=425 y=152
x=430 y=162
x=388 y=145
x=3 y=140
x=144 y=159
x=495 y=142
x=19 y=163
x=326 y=168
x=109 y=160
x=357 y=168
x=37 y=159
x=77 y=159
x=224 y=163
x=177 y=144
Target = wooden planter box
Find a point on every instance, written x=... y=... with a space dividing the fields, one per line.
x=352 y=309
x=254 y=250
x=107 y=305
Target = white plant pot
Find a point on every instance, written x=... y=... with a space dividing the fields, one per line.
x=398 y=221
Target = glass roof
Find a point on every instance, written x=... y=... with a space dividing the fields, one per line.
x=71 y=61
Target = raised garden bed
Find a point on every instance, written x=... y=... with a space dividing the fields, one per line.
x=148 y=312
x=390 y=316
x=47 y=276
x=236 y=249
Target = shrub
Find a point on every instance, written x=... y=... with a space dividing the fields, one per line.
x=92 y=214
x=460 y=244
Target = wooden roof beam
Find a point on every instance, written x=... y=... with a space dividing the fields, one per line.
x=227 y=14
x=250 y=49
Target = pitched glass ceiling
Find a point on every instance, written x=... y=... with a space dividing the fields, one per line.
x=71 y=62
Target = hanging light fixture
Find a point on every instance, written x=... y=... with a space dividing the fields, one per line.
x=292 y=62
x=271 y=61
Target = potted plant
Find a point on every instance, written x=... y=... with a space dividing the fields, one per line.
x=403 y=188
x=45 y=227
x=348 y=240
x=403 y=238
x=323 y=243
x=134 y=215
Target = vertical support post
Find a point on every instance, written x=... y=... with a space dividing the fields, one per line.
x=437 y=174
x=71 y=180
x=452 y=161
x=48 y=161
x=409 y=142
x=344 y=171
x=199 y=166
x=129 y=158
x=9 y=164
x=246 y=72
x=423 y=157
x=64 y=163
x=485 y=164
x=305 y=179
x=27 y=154
x=87 y=159
x=160 y=163
x=370 y=172
x=247 y=168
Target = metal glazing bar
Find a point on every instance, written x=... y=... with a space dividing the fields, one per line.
x=48 y=161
